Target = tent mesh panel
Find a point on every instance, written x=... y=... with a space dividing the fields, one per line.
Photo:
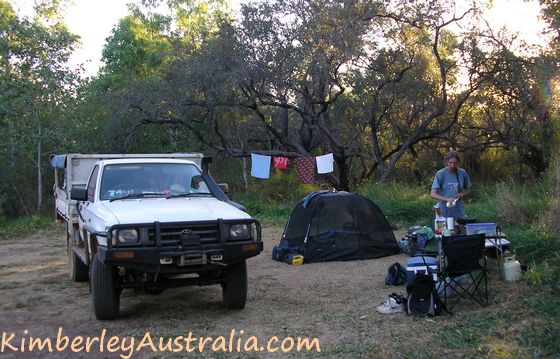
x=340 y=226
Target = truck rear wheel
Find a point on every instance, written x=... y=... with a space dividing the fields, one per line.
x=234 y=288
x=79 y=272
x=106 y=296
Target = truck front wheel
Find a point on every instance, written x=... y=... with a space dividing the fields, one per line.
x=79 y=272
x=106 y=296
x=234 y=288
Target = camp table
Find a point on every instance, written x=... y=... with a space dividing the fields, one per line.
x=496 y=242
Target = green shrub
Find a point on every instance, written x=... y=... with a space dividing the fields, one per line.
x=16 y=227
x=403 y=204
x=274 y=198
x=277 y=212
x=545 y=333
x=523 y=212
x=514 y=204
x=537 y=247
x=280 y=187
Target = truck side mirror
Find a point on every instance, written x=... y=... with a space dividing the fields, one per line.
x=78 y=194
x=224 y=187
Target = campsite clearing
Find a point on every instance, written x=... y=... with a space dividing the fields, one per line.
x=334 y=302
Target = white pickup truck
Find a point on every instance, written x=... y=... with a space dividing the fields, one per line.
x=151 y=222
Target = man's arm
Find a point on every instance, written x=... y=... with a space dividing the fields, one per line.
x=435 y=195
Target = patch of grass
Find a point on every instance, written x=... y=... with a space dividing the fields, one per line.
x=543 y=334
x=523 y=212
x=281 y=187
x=10 y=228
x=275 y=198
x=403 y=204
x=512 y=204
x=357 y=349
x=535 y=244
x=467 y=334
x=527 y=327
x=539 y=249
x=266 y=209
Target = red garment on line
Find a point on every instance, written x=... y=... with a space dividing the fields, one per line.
x=305 y=168
x=280 y=163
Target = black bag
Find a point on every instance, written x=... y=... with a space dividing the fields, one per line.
x=396 y=274
x=412 y=247
x=423 y=299
x=283 y=250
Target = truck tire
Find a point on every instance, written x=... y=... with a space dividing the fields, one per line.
x=234 y=288
x=106 y=296
x=79 y=272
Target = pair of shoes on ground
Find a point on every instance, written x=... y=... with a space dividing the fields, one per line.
x=395 y=304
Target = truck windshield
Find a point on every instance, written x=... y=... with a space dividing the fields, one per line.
x=143 y=180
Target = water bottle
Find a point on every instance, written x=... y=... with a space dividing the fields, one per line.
x=512 y=269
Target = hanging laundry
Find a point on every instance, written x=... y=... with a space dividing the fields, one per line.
x=280 y=163
x=305 y=169
x=325 y=163
x=260 y=166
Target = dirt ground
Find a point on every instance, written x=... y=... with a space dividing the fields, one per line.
x=334 y=302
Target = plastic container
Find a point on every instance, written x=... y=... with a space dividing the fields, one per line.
x=488 y=229
x=512 y=270
x=440 y=224
x=417 y=265
x=294 y=259
x=450 y=222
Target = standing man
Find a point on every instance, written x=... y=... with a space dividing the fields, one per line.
x=451 y=184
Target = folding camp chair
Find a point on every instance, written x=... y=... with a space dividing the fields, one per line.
x=464 y=269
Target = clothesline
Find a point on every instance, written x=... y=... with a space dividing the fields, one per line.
x=305 y=166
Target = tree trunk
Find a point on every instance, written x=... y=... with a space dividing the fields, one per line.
x=242 y=159
x=11 y=144
x=343 y=184
x=39 y=175
x=13 y=170
x=244 y=173
x=557 y=171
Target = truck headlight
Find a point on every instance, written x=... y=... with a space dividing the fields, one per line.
x=126 y=236
x=239 y=231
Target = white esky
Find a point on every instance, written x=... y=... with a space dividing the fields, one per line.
x=93 y=21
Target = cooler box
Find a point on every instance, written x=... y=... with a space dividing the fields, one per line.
x=417 y=265
x=488 y=229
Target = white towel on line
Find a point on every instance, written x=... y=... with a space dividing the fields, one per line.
x=325 y=163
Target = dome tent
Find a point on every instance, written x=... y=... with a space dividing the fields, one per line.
x=338 y=226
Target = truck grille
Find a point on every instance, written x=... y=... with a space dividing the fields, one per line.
x=170 y=235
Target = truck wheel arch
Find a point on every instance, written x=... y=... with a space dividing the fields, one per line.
x=91 y=248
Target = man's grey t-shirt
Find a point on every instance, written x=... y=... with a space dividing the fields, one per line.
x=446 y=184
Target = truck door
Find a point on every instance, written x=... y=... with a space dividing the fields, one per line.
x=86 y=214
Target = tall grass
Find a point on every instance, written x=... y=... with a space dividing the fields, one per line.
x=514 y=204
x=10 y=228
x=524 y=213
x=403 y=204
